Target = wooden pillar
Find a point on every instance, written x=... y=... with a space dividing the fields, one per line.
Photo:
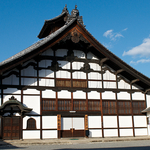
x=41 y=115
x=101 y=114
x=86 y=125
x=59 y=125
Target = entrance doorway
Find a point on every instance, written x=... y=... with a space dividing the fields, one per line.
x=11 y=128
x=72 y=127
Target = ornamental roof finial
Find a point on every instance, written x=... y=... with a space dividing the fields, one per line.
x=65 y=9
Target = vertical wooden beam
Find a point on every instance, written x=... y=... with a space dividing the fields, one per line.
x=101 y=102
x=21 y=119
x=86 y=101
x=59 y=125
x=56 y=101
x=86 y=125
x=71 y=101
x=37 y=72
x=41 y=136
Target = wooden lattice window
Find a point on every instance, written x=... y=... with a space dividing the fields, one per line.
x=138 y=107
x=49 y=105
x=124 y=107
x=79 y=105
x=94 y=105
x=31 y=124
x=64 y=104
x=109 y=107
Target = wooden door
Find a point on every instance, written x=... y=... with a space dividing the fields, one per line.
x=11 y=128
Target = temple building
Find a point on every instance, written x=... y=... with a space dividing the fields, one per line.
x=69 y=85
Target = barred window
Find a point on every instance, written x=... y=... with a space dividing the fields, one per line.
x=79 y=105
x=49 y=105
x=124 y=107
x=138 y=107
x=31 y=124
x=94 y=105
x=109 y=107
x=64 y=105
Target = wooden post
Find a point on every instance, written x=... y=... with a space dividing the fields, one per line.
x=59 y=125
x=86 y=125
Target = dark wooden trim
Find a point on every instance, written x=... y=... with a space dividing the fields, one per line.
x=101 y=114
x=32 y=129
x=22 y=96
x=2 y=96
x=71 y=100
x=41 y=136
x=56 y=101
x=37 y=73
x=1 y=131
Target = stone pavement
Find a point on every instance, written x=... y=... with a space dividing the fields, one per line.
x=69 y=141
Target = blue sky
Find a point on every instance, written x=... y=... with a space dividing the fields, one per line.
x=122 y=26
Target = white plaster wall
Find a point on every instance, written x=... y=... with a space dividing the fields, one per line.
x=49 y=122
x=123 y=85
x=95 y=66
x=47 y=82
x=94 y=95
x=46 y=73
x=64 y=64
x=29 y=81
x=31 y=134
x=64 y=94
x=11 y=80
x=139 y=132
x=123 y=96
x=94 y=121
x=49 y=134
x=79 y=75
x=31 y=91
x=94 y=75
x=6 y=97
x=79 y=95
x=94 y=84
x=79 y=54
x=140 y=121
x=109 y=76
x=109 y=84
x=45 y=63
x=95 y=133
x=77 y=65
x=91 y=56
x=48 y=94
x=37 y=118
x=66 y=123
x=32 y=102
x=134 y=87
x=61 y=52
x=78 y=123
x=138 y=96
x=48 y=52
x=110 y=132
x=63 y=74
x=148 y=100
x=125 y=121
x=12 y=90
x=108 y=95
x=110 y=121
x=29 y=71
x=126 y=132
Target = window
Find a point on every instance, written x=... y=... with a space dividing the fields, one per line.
x=31 y=124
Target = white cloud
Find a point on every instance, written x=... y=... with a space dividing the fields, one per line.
x=108 y=33
x=125 y=29
x=140 y=61
x=142 y=49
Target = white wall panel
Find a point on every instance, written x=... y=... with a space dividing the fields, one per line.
x=61 y=52
x=139 y=132
x=134 y=87
x=11 y=80
x=138 y=96
x=29 y=71
x=95 y=66
x=78 y=123
x=79 y=75
x=125 y=121
x=95 y=133
x=31 y=91
x=91 y=56
x=63 y=74
x=126 y=132
x=110 y=121
x=12 y=90
x=94 y=121
x=29 y=81
x=109 y=84
x=46 y=73
x=37 y=118
x=66 y=123
x=94 y=75
x=94 y=95
x=77 y=65
x=48 y=94
x=46 y=82
x=79 y=95
x=79 y=54
x=49 y=134
x=148 y=100
x=109 y=76
x=31 y=134
x=140 y=121
x=94 y=84
x=123 y=85
x=123 y=96
x=48 y=52
x=6 y=97
x=49 y=122
x=64 y=94
x=45 y=63
x=64 y=64
x=32 y=102
x=110 y=132
x=108 y=95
